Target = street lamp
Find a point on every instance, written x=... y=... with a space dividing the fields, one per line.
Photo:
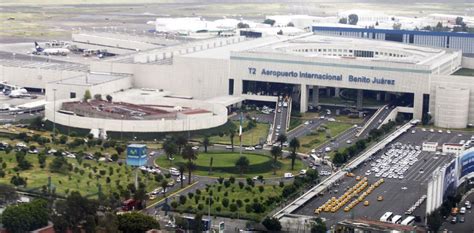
x=54 y=111
x=121 y=128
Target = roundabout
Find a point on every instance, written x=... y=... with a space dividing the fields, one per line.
x=223 y=164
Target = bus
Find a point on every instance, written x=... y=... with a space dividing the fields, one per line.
x=387 y=217
x=397 y=219
x=408 y=221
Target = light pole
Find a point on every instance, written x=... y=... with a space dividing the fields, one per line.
x=209 y=213
x=121 y=129
x=54 y=111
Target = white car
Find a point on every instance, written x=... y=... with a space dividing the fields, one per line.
x=288 y=175
x=348 y=141
x=195 y=147
x=331 y=119
x=228 y=147
x=327 y=149
x=250 y=148
x=303 y=172
x=306 y=122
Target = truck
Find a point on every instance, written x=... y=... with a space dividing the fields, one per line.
x=131 y=204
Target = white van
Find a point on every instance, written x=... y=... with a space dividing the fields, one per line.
x=408 y=221
x=387 y=217
x=397 y=219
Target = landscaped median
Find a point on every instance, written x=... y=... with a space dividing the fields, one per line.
x=224 y=164
x=321 y=135
x=248 y=199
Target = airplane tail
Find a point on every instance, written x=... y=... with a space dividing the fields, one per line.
x=37 y=47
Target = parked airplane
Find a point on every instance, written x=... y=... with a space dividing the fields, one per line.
x=50 y=51
x=18 y=93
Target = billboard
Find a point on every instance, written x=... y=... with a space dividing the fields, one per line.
x=136 y=155
x=466 y=163
x=450 y=180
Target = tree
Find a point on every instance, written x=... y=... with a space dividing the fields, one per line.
x=397 y=26
x=73 y=211
x=434 y=221
x=181 y=141
x=170 y=148
x=290 y=24
x=269 y=21
x=109 y=98
x=25 y=217
x=459 y=21
x=276 y=152
x=242 y=163
x=59 y=165
x=343 y=20
x=242 y=25
x=109 y=222
x=136 y=222
x=206 y=142
x=181 y=169
x=318 y=226
x=231 y=136
x=272 y=224
x=98 y=97
x=294 y=144
x=164 y=185
x=282 y=138
x=353 y=19
x=87 y=95
x=211 y=160
x=190 y=155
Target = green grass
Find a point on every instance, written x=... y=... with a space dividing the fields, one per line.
x=72 y=181
x=232 y=193
x=224 y=164
x=295 y=122
x=316 y=138
x=250 y=137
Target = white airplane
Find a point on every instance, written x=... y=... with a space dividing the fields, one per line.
x=18 y=93
x=50 y=51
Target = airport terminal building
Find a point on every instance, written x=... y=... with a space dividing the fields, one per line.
x=307 y=67
x=224 y=71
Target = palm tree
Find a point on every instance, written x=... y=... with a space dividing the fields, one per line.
x=181 y=169
x=189 y=154
x=276 y=152
x=242 y=163
x=294 y=144
x=164 y=185
x=282 y=139
x=190 y=166
x=232 y=135
x=170 y=148
x=206 y=142
x=181 y=141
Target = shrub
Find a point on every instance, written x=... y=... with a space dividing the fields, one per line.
x=239 y=203
x=226 y=184
x=225 y=202
x=233 y=207
x=174 y=204
x=218 y=208
x=241 y=184
x=200 y=207
x=182 y=199
x=198 y=191
x=220 y=180
x=190 y=195
x=248 y=208
x=261 y=189
x=232 y=179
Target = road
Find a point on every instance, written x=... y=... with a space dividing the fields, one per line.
x=280 y=121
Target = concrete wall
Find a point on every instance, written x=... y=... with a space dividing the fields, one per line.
x=33 y=77
x=203 y=121
x=452 y=107
x=63 y=90
x=468 y=62
x=201 y=78
x=463 y=83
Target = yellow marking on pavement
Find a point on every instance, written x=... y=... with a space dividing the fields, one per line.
x=172 y=194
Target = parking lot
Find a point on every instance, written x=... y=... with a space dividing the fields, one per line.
x=399 y=194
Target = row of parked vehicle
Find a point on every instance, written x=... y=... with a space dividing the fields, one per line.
x=394 y=163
